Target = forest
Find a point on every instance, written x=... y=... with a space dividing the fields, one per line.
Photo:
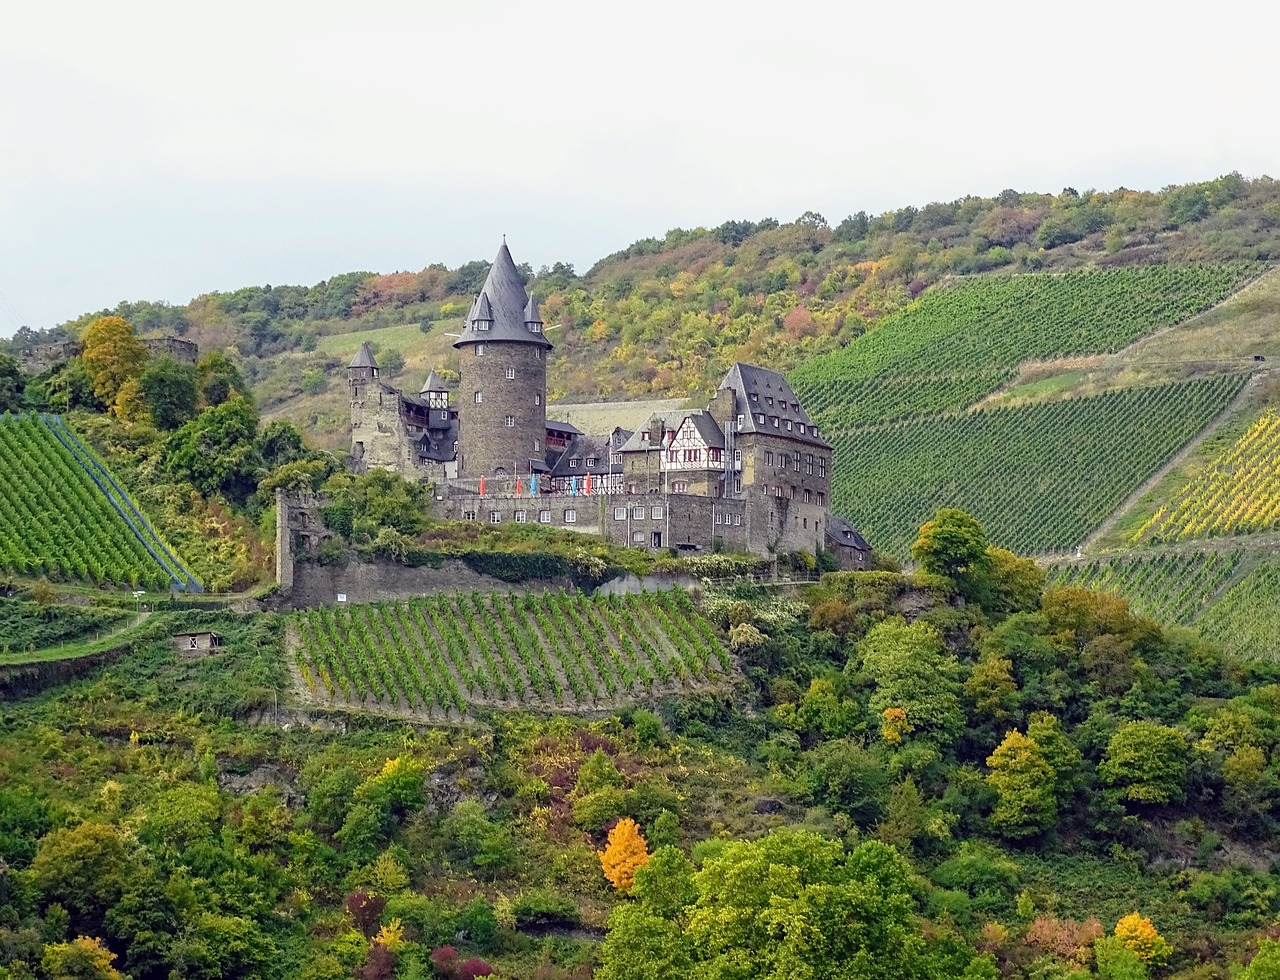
x=952 y=772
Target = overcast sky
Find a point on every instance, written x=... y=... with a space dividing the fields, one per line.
x=161 y=150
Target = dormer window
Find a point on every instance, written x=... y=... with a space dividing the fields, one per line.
x=573 y=463
x=802 y=428
x=769 y=401
x=788 y=425
x=760 y=418
x=592 y=461
x=535 y=328
x=482 y=324
x=755 y=397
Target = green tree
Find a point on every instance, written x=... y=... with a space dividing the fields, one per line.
x=913 y=671
x=952 y=544
x=80 y=959
x=1265 y=965
x=12 y=385
x=1023 y=781
x=219 y=379
x=1060 y=752
x=170 y=392
x=85 y=868
x=1146 y=763
x=112 y=355
x=216 y=452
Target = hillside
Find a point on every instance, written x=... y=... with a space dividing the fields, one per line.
x=64 y=516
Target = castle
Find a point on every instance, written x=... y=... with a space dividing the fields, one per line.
x=750 y=472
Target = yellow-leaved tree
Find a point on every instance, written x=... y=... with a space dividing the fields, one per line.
x=112 y=355
x=81 y=959
x=626 y=851
x=1140 y=936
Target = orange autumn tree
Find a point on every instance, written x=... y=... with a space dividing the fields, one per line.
x=1140 y=935
x=626 y=851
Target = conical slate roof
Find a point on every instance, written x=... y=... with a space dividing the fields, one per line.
x=503 y=303
x=433 y=383
x=364 y=357
x=531 y=314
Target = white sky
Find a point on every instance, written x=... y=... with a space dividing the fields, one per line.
x=160 y=150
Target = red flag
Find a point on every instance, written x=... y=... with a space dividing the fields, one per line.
x=482 y=486
x=519 y=482
x=588 y=483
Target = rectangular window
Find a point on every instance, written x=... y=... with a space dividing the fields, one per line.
x=495 y=517
x=571 y=516
x=637 y=513
x=822 y=499
x=737 y=456
x=537 y=399
x=737 y=485
x=788 y=425
x=510 y=421
x=537 y=445
x=592 y=461
x=808 y=464
x=656 y=513
x=619 y=513
x=616 y=459
x=777 y=492
x=544 y=517
x=773 y=518
x=802 y=428
x=760 y=418
x=482 y=324
x=774 y=420
x=768 y=459
x=784 y=461
x=537 y=353
x=479 y=350
x=797 y=462
x=522 y=517
x=822 y=466
x=680 y=486
x=719 y=517
x=791 y=493
x=468 y=515
x=511 y=374
x=806 y=523
x=737 y=520
x=741 y=420
x=535 y=327
x=479 y=397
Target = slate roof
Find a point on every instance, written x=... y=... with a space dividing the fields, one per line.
x=364 y=357
x=502 y=302
x=708 y=429
x=438 y=445
x=433 y=383
x=582 y=448
x=670 y=422
x=842 y=532
x=746 y=381
x=565 y=428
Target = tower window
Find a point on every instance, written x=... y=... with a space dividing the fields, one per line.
x=479 y=350
x=537 y=353
x=537 y=399
x=510 y=421
x=822 y=466
x=479 y=397
x=537 y=445
x=511 y=374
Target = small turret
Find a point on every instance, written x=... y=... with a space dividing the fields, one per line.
x=363 y=368
x=532 y=318
x=434 y=391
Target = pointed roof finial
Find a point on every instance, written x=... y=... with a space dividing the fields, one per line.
x=364 y=357
x=433 y=383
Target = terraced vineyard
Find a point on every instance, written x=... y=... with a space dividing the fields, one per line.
x=1040 y=477
x=443 y=655
x=1172 y=587
x=956 y=345
x=62 y=515
x=1238 y=493
x=1246 y=619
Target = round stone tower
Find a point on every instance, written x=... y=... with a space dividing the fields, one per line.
x=502 y=397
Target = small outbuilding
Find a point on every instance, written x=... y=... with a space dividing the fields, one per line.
x=852 y=552
x=200 y=644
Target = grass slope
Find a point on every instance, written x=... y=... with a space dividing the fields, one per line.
x=1038 y=477
x=444 y=656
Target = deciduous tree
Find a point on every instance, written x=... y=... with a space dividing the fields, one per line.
x=112 y=355
x=624 y=854
x=1024 y=782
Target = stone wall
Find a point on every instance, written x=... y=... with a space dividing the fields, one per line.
x=181 y=351
x=378 y=436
